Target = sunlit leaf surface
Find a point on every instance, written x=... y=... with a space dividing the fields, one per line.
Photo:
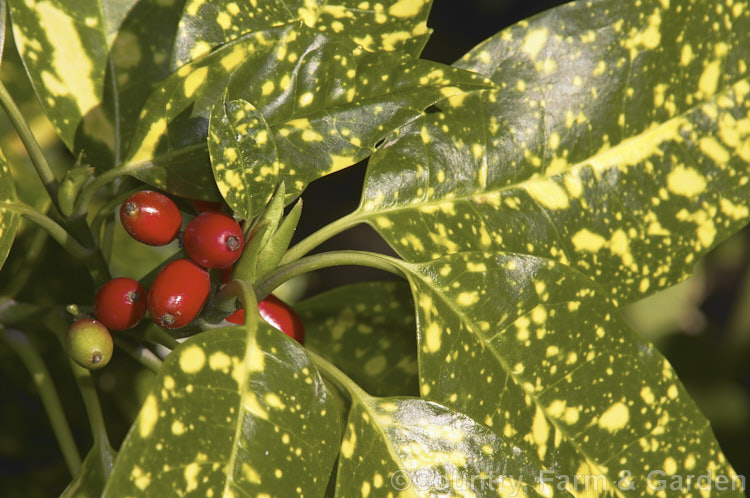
x=538 y=353
x=93 y=64
x=235 y=412
x=619 y=143
x=327 y=101
x=420 y=448
x=390 y=25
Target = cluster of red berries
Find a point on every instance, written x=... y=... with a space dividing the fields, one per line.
x=212 y=240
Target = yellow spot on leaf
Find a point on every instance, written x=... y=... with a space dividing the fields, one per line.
x=219 y=361
x=406 y=8
x=734 y=211
x=195 y=80
x=615 y=418
x=709 y=80
x=178 y=428
x=548 y=193
x=192 y=359
x=347 y=445
x=433 y=337
x=150 y=141
x=191 y=476
x=685 y=181
x=306 y=99
x=149 y=416
x=534 y=42
x=713 y=149
x=468 y=298
x=69 y=60
x=274 y=401
x=584 y=240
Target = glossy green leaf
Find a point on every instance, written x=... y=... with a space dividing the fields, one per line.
x=381 y=26
x=8 y=219
x=91 y=479
x=619 y=143
x=327 y=101
x=236 y=411
x=537 y=352
x=93 y=64
x=421 y=448
x=367 y=330
x=241 y=157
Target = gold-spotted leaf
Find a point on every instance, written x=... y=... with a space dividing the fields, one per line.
x=368 y=331
x=237 y=411
x=93 y=64
x=389 y=25
x=8 y=219
x=536 y=351
x=328 y=102
x=243 y=155
x=416 y=448
x=618 y=143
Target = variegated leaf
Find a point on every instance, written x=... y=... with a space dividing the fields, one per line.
x=236 y=411
x=245 y=155
x=8 y=219
x=368 y=331
x=390 y=25
x=93 y=64
x=327 y=101
x=619 y=143
x=537 y=352
x=416 y=448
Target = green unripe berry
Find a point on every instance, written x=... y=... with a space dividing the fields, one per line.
x=89 y=343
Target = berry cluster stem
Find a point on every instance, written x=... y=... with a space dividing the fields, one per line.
x=90 y=256
x=326 y=260
x=29 y=141
x=96 y=419
x=314 y=240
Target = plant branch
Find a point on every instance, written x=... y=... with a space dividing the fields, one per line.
x=96 y=419
x=141 y=354
x=57 y=232
x=29 y=141
x=314 y=240
x=20 y=344
x=158 y=335
x=333 y=373
x=326 y=260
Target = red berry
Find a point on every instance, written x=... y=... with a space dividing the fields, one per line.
x=89 y=343
x=178 y=293
x=213 y=240
x=278 y=314
x=120 y=303
x=237 y=317
x=151 y=218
